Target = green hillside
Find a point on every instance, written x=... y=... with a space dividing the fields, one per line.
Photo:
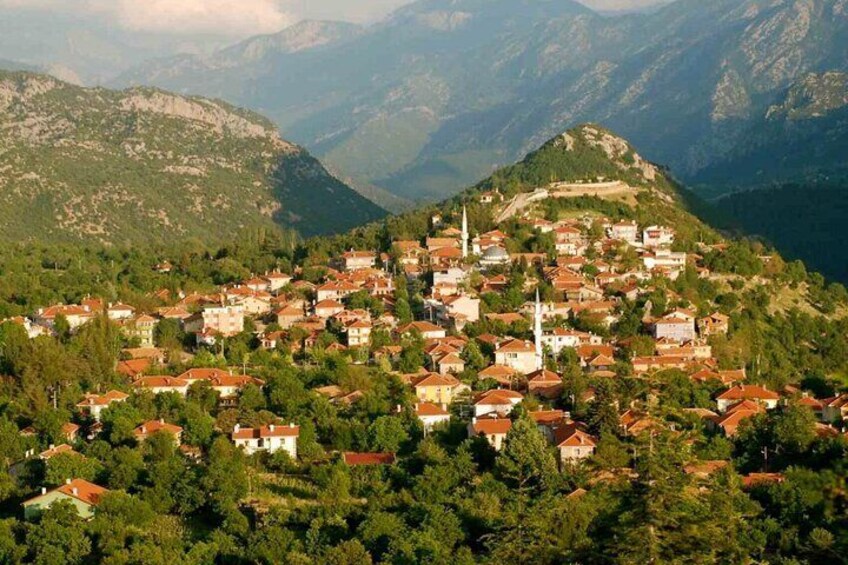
x=146 y=166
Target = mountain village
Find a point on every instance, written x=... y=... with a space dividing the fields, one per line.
x=480 y=363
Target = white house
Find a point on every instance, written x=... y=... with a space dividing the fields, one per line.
x=270 y=438
x=625 y=231
x=95 y=404
x=517 y=354
x=657 y=236
x=497 y=401
x=452 y=276
x=431 y=415
x=561 y=338
x=754 y=393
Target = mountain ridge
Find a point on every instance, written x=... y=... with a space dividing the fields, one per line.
x=447 y=91
x=145 y=164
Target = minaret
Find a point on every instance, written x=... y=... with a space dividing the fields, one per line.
x=537 y=333
x=464 y=233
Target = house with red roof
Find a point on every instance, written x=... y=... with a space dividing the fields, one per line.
x=758 y=394
x=497 y=401
x=74 y=314
x=503 y=375
x=428 y=330
x=548 y=422
x=835 y=409
x=517 y=354
x=83 y=495
x=436 y=388
x=94 y=404
x=147 y=429
x=574 y=444
x=160 y=384
x=431 y=415
x=270 y=438
x=493 y=429
x=358 y=333
x=544 y=383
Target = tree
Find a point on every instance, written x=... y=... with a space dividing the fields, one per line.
x=225 y=480
x=603 y=414
x=168 y=334
x=347 y=553
x=61 y=328
x=251 y=398
x=403 y=312
x=387 y=434
x=59 y=538
x=65 y=466
x=198 y=426
x=473 y=357
x=10 y=551
x=124 y=468
x=525 y=460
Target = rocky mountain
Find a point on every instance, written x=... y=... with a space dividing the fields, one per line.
x=144 y=165
x=802 y=138
x=443 y=90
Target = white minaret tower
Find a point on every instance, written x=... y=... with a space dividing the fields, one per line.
x=464 y=233
x=537 y=333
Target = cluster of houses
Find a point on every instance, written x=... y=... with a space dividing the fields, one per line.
x=292 y=314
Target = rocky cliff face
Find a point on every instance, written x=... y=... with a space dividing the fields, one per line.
x=144 y=165
x=800 y=138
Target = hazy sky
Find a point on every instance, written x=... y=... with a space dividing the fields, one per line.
x=236 y=18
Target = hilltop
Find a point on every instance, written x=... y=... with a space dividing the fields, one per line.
x=146 y=166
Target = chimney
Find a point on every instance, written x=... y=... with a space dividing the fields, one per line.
x=43 y=490
x=75 y=491
x=271 y=427
x=236 y=428
x=67 y=481
x=52 y=446
x=291 y=424
x=399 y=408
x=474 y=420
x=162 y=421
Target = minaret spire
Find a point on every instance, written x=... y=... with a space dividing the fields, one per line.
x=464 y=233
x=537 y=333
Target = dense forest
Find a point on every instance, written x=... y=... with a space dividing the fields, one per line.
x=805 y=221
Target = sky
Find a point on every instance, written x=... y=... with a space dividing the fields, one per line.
x=234 y=18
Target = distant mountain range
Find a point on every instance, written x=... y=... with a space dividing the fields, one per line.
x=438 y=94
x=146 y=166
x=75 y=46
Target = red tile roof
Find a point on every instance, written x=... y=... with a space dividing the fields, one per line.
x=492 y=426
x=271 y=430
x=83 y=490
x=355 y=459
x=742 y=392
